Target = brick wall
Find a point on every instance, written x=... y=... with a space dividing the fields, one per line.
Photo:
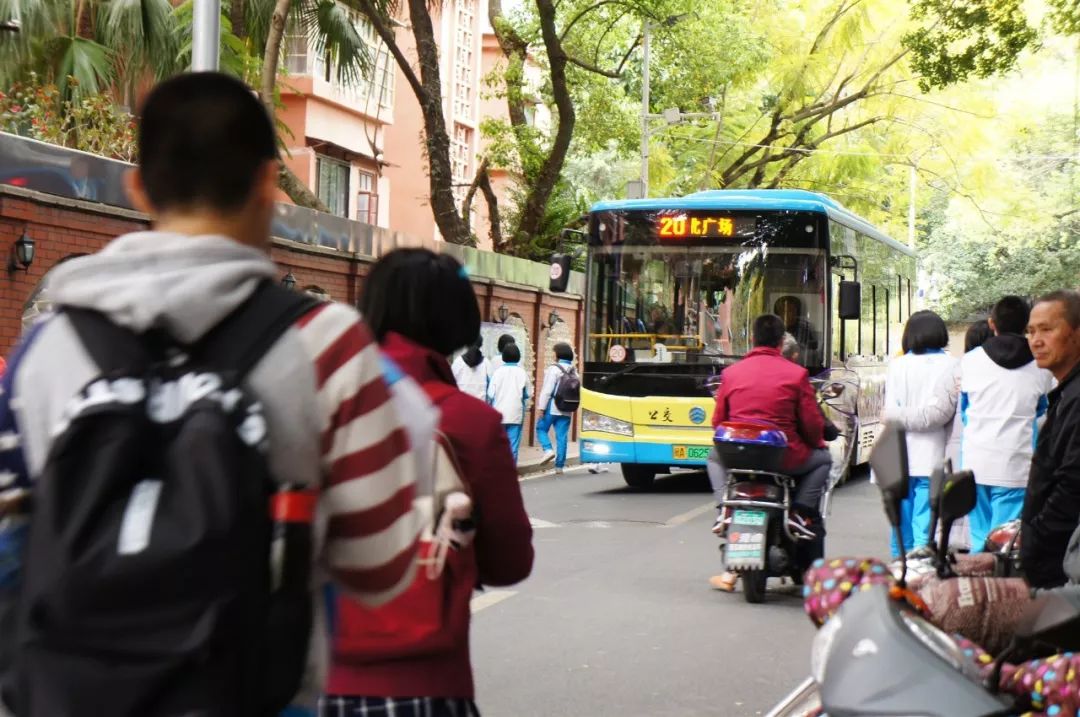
x=61 y=227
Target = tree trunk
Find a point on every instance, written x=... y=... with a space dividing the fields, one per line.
x=287 y=180
x=238 y=18
x=516 y=51
x=541 y=187
x=299 y=192
x=436 y=138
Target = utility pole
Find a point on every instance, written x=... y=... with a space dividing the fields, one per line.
x=645 y=110
x=206 y=35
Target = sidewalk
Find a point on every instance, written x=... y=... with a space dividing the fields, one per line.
x=529 y=459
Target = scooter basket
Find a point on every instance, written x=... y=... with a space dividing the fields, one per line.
x=750 y=446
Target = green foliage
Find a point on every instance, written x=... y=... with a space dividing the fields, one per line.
x=1065 y=16
x=233 y=59
x=1023 y=234
x=102 y=44
x=964 y=38
x=91 y=124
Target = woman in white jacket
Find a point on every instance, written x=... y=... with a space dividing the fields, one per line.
x=913 y=382
x=941 y=410
x=508 y=392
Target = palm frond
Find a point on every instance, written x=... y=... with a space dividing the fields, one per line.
x=144 y=31
x=88 y=62
x=258 y=14
x=19 y=51
x=333 y=32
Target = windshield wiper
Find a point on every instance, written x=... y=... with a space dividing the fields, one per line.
x=606 y=380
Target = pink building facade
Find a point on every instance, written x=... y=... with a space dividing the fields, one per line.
x=360 y=146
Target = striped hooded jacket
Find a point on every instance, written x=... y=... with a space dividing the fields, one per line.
x=331 y=419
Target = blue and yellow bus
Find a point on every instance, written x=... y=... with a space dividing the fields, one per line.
x=673 y=286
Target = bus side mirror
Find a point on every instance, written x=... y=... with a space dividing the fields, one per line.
x=560 y=273
x=850 y=304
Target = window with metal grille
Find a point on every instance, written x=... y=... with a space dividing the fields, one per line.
x=460 y=146
x=297 y=50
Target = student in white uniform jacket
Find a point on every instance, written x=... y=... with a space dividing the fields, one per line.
x=472 y=371
x=912 y=382
x=507 y=393
x=1003 y=398
x=552 y=417
x=999 y=396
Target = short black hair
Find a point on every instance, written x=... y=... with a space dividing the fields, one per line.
x=1070 y=300
x=1010 y=315
x=424 y=296
x=976 y=335
x=924 y=331
x=504 y=340
x=511 y=353
x=564 y=351
x=202 y=137
x=768 y=331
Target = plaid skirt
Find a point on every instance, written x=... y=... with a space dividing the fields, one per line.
x=331 y=706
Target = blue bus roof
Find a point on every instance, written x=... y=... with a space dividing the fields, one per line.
x=798 y=200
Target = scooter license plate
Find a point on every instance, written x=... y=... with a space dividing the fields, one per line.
x=746 y=540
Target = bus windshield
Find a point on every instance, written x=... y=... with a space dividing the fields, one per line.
x=693 y=304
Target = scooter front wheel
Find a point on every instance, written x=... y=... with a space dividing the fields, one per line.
x=754 y=585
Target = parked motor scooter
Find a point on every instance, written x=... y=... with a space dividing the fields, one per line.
x=878 y=656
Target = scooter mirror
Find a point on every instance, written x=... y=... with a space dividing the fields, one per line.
x=888 y=459
x=957 y=496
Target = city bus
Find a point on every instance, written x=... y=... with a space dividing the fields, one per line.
x=672 y=288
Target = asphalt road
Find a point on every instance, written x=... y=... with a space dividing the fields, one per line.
x=618 y=618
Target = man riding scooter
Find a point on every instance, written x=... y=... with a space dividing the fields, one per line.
x=766 y=388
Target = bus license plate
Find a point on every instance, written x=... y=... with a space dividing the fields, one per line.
x=690 y=453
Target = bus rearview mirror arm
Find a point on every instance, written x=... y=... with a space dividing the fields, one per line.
x=849 y=301
x=561 y=261
x=838 y=263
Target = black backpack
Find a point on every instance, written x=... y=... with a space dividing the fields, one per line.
x=156 y=583
x=567 y=390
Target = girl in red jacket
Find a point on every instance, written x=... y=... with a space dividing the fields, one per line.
x=410 y=658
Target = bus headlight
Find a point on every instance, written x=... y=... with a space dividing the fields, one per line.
x=606 y=424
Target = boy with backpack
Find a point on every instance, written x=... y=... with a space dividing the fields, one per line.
x=171 y=423
x=559 y=397
x=508 y=391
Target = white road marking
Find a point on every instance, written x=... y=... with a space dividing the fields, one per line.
x=489 y=598
x=537 y=523
x=690 y=514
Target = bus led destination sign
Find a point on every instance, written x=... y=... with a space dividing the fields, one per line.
x=684 y=226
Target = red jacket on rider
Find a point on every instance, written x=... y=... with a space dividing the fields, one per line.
x=765 y=387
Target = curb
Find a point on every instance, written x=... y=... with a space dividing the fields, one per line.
x=529 y=469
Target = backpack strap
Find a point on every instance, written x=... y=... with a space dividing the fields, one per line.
x=437 y=392
x=113 y=348
x=245 y=335
x=236 y=343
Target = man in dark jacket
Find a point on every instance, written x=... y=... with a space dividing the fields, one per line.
x=764 y=387
x=1052 y=503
